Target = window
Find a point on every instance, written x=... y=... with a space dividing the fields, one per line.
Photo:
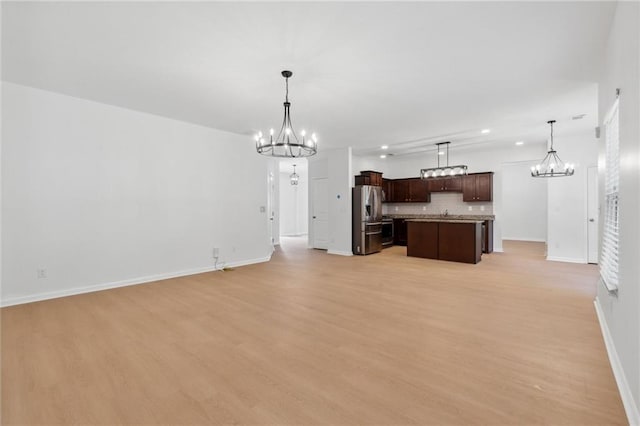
x=611 y=231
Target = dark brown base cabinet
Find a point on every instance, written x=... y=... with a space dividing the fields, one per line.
x=453 y=241
x=487 y=237
x=399 y=232
x=460 y=242
x=424 y=239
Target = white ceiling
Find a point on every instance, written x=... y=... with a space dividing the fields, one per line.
x=365 y=74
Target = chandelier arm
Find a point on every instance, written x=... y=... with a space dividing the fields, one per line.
x=291 y=126
x=284 y=123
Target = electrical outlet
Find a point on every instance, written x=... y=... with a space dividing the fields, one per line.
x=481 y=208
x=396 y=208
x=470 y=208
x=216 y=252
x=42 y=273
x=424 y=208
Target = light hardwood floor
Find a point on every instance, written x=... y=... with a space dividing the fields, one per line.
x=311 y=338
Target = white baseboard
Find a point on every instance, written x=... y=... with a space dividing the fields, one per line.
x=498 y=250
x=534 y=240
x=340 y=252
x=566 y=259
x=19 y=300
x=630 y=407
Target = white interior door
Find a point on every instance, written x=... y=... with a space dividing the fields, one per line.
x=270 y=208
x=320 y=214
x=592 y=214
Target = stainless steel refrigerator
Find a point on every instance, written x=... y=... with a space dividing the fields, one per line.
x=367 y=219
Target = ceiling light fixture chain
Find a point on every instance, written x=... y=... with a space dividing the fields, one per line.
x=286 y=144
x=551 y=165
x=447 y=170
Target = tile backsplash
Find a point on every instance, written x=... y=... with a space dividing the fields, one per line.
x=451 y=201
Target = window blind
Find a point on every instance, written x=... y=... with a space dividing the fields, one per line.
x=611 y=228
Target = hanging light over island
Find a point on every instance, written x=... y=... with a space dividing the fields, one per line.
x=287 y=143
x=446 y=170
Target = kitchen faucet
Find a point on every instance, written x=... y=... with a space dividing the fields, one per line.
x=445 y=213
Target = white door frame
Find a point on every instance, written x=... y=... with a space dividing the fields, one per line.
x=312 y=223
x=270 y=207
x=593 y=214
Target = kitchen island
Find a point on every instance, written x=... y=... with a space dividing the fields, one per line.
x=400 y=226
x=445 y=239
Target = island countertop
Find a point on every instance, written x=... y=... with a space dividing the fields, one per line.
x=451 y=217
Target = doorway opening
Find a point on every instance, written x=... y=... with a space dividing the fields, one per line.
x=524 y=207
x=293 y=200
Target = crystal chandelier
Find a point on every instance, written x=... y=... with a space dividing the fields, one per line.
x=552 y=165
x=294 y=176
x=286 y=144
x=447 y=170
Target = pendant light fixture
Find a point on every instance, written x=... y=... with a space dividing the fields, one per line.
x=552 y=165
x=294 y=176
x=447 y=170
x=286 y=144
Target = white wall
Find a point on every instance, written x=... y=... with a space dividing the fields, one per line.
x=340 y=211
x=524 y=203
x=620 y=313
x=567 y=200
x=102 y=196
x=294 y=202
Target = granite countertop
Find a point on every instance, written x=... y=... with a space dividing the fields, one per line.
x=449 y=218
x=444 y=219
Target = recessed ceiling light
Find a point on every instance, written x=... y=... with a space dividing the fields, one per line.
x=485 y=131
x=520 y=143
x=383 y=156
x=385 y=147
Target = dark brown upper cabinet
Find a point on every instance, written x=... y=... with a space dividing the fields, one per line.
x=419 y=191
x=387 y=190
x=369 y=177
x=413 y=190
x=477 y=187
x=400 y=190
x=445 y=184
